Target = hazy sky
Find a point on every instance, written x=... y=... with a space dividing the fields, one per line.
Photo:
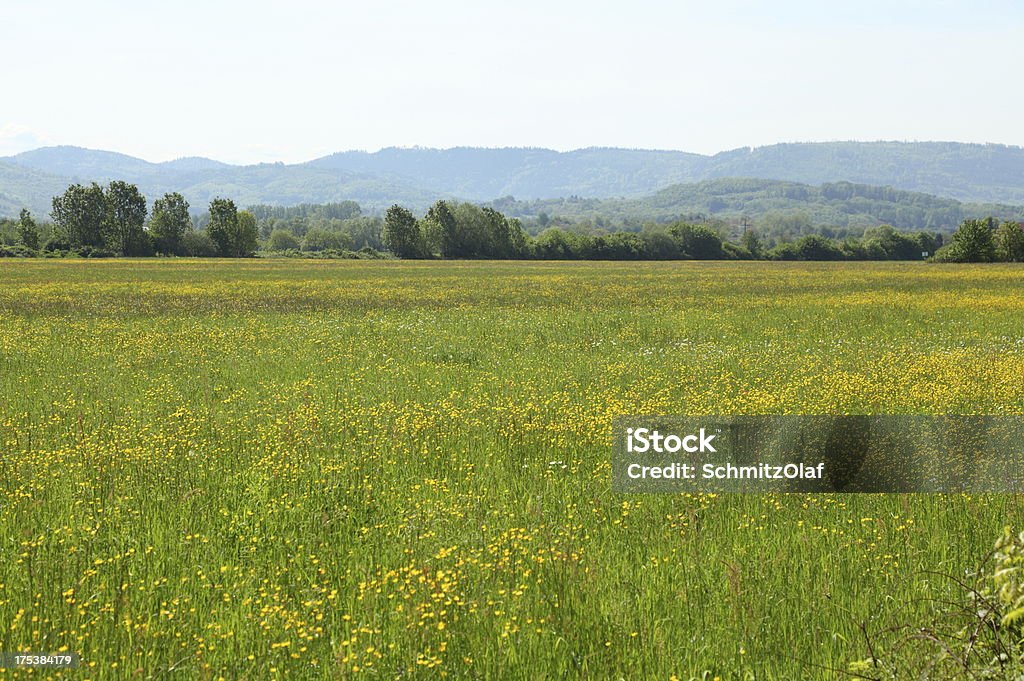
x=260 y=81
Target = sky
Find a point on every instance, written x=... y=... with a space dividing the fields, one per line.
x=247 y=82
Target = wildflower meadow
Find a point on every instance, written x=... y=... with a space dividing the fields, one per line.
x=394 y=469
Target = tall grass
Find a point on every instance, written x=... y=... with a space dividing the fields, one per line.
x=323 y=469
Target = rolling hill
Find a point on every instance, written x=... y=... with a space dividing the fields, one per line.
x=31 y=180
x=415 y=177
x=837 y=204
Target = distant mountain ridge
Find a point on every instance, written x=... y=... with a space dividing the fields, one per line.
x=835 y=204
x=48 y=171
x=417 y=176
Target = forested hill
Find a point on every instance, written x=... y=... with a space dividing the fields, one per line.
x=417 y=176
x=837 y=204
x=967 y=172
x=31 y=179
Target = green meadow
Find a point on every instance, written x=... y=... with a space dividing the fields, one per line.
x=258 y=469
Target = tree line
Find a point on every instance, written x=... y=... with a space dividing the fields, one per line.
x=469 y=231
x=93 y=220
x=318 y=228
x=97 y=221
x=840 y=205
x=985 y=240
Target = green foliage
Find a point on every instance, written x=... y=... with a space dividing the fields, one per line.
x=365 y=232
x=617 y=246
x=810 y=247
x=733 y=251
x=245 y=239
x=19 y=251
x=443 y=233
x=90 y=252
x=56 y=243
x=402 y=234
x=317 y=240
x=102 y=220
x=282 y=240
x=893 y=244
x=1008 y=581
x=784 y=210
x=8 y=232
x=699 y=242
x=198 y=244
x=989 y=643
x=223 y=225
x=169 y=223
x=79 y=214
x=28 y=230
x=972 y=242
x=1009 y=242
x=752 y=242
x=308 y=212
x=234 y=232
x=928 y=242
x=659 y=244
x=556 y=244
x=338 y=226
x=125 y=220
x=470 y=231
x=465 y=230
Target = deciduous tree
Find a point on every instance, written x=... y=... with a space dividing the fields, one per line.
x=973 y=242
x=223 y=225
x=245 y=239
x=402 y=233
x=79 y=214
x=1009 y=241
x=28 y=231
x=125 y=220
x=169 y=223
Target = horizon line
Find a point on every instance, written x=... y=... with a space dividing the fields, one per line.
x=12 y=157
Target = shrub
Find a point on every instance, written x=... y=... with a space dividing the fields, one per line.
x=92 y=252
x=734 y=252
x=282 y=240
x=973 y=242
x=198 y=244
x=1009 y=241
x=810 y=247
x=319 y=239
x=56 y=244
x=698 y=241
x=367 y=253
x=16 y=252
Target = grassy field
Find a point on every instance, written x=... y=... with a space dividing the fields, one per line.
x=394 y=469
